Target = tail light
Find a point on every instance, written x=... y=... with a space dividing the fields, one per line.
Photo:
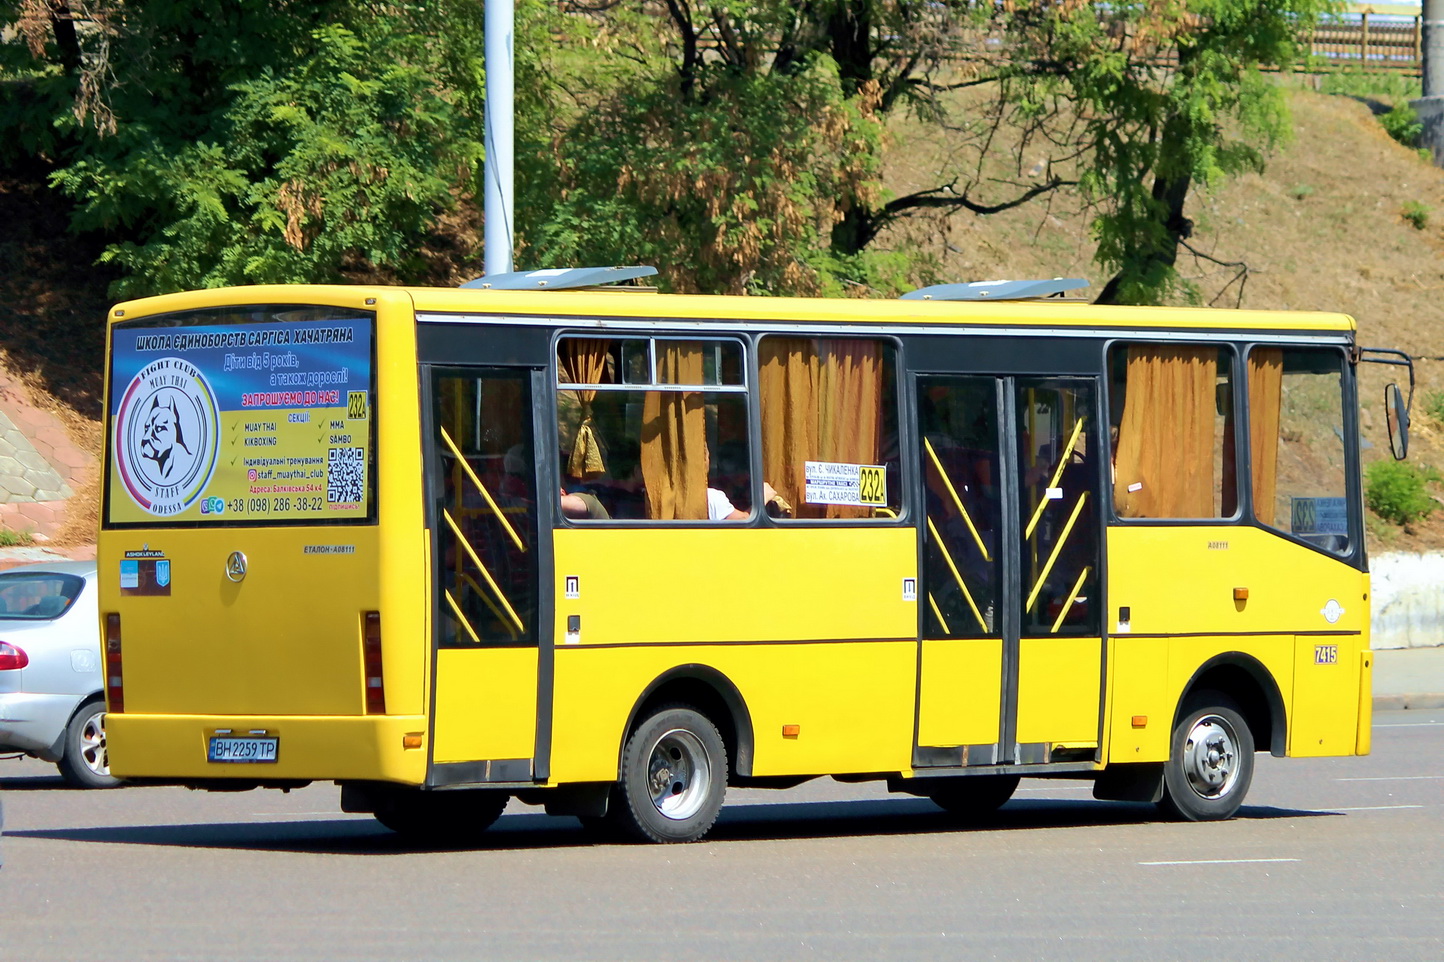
x=11 y=657
x=114 y=678
x=371 y=660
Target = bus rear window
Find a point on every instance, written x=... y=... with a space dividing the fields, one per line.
x=252 y=415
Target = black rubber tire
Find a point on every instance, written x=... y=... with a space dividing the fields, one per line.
x=674 y=777
x=973 y=796
x=85 y=760
x=454 y=817
x=1210 y=766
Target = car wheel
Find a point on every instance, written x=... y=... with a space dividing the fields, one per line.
x=674 y=777
x=449 y=817
x=1211 y=766
x=973 y=796
x=85 y=761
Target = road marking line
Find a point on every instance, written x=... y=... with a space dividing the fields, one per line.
x=1373 y=808
x=1390 y=778
x=1071 y=788
x=1223 y=861
x=1413 y=725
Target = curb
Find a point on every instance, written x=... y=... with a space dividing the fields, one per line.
x=1400 y=702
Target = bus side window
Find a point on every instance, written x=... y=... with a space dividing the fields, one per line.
x=1296 y=406
x=829 y=417
x=1172 y=431
x=653 y=429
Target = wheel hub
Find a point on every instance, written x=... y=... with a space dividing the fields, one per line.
x=92 y=745
x=1210 y=756
x=679 y=775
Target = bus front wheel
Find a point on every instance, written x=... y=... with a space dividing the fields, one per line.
x=1211 y=765
x=674 y=776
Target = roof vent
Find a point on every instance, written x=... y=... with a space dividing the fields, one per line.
x=996 y=290
x=558 y=279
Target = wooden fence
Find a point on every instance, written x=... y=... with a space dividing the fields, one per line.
x=1367 y=41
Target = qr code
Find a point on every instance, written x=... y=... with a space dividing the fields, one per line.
x=345 y=475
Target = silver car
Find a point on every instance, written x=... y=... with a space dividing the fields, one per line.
x=52 y=689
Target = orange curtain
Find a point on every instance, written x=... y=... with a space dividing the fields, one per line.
x=1265 y=396
x=821 y=401
x=787 y=389
x=584 y=361
x=1164 y=467
x=849 y=392
x=674 y=438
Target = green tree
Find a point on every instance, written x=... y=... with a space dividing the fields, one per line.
x=1168 y=97
x=233 y=141
x=1137 y=104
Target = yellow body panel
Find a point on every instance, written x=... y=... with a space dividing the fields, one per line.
x=736 y=584
x=1326 y=687
x=1139 y=670
x=1193 y=591
x=311 y=748
x=485 y=703
x=961 y=692
x=1059 y=683
x=852 y=703
x=649 y=594
x=1188 y=606
x=265 y=646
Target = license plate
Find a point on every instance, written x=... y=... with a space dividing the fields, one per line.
x=243 y=749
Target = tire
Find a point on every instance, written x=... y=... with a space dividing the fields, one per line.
x=85 y=761
x=973 y=796
x=452 y=817
x=1211 y=765
x=674 y=777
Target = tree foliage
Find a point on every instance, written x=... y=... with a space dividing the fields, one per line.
x=739 y=144
x=223 y=142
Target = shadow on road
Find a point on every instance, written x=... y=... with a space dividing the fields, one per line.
x=36 y=783
x=355 y=836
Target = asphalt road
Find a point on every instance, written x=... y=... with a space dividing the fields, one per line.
x=1330 y=859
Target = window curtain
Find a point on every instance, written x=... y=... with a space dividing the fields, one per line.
x=787 y=386
x=674 y=438
x=1165 y=460
x=1265 y=397
x=821 y=401
x=584 y=361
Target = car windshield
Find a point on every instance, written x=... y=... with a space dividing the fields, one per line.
x=38 y=596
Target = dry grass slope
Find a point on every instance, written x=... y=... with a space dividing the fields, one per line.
x=1322 y=228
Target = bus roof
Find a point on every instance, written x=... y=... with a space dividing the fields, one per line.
x=649 y=305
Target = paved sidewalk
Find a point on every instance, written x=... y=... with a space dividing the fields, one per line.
x=40 y=466
x=1408 y=678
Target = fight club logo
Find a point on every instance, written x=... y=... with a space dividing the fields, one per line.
x=165 y=436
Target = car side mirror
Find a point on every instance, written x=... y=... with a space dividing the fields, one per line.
x=1397 y=413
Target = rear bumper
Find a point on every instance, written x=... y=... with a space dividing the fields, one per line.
x=311 y=748
x=34 y=723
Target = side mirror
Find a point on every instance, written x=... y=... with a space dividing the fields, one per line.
x=1397 y=412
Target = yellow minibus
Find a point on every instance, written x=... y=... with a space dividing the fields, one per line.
x=612 y=551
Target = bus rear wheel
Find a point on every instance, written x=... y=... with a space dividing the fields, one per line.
x=973 y=796
x=440 y=817
x=1211 y=766
x=674 y=777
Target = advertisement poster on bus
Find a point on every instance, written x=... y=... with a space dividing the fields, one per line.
x=244 y=421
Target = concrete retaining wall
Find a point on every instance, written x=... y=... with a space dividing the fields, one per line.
x=1408 y=600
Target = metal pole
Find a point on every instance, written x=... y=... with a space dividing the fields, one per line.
x=1433 y=48
x=500 y=149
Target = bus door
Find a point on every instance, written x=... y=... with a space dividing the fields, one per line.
x=1011 y=665
x=492 y=650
